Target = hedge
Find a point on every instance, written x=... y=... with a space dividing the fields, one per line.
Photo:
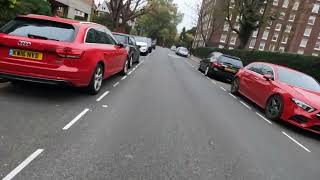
x=307 y=64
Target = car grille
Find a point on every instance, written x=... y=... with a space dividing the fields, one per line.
x=315 y=127
x=299 y=119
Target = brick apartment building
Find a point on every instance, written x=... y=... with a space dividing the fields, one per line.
x=296 y=29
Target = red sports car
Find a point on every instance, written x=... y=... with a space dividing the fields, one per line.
x=54 y=50
x=284 y=93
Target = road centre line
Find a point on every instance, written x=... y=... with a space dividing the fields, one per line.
x=124 y=77
x=214 y=82
x=116 y=84
x=246 y=105
x=296 y=141
x=79 y=116
x=102 y=96
x=233 y=96
x=223 y=88
x=20 y=167
x=264 y=118
x=129 y=72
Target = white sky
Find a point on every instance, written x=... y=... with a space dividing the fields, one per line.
x=188 y=8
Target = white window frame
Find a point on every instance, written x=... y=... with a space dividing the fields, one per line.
x=233 y=40
x=316 y=8
x=281 y=49
x=292 y=17
x=272 y=47
x=275 y=35
x=278 y=27
x=300 y=51
x=304 y=43
x=307 y=31
x=265 y=35
x=312 y=20
x=275 y=2
x=288 y=28
x=226 y=26
x=296 y=5
x=285 y=3
x=262 y=44
x=315 y=46
x=315 y=54
x=223 y=36
x=282 y=15
x=252 y=43
x=284 y=40
x=255 y=33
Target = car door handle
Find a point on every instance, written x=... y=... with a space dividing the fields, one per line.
x=256 y=78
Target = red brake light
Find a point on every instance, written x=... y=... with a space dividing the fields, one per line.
x=216 y=64
x=68 y=52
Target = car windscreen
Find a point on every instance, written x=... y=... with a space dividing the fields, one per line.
x=229 y=60
x=121 y=38
x=42 y=29
x=297 y=79
x=183 y=49
x=140 y=39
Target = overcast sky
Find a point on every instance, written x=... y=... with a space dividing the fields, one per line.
x=187 y=7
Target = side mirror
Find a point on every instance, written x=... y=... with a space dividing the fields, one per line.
x=120 y=45
x=267 y=77
x=138 y=46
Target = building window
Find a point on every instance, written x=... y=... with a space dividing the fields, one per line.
x=278 y=27
x=231 y=48
x=275 y=2
x=282 y=15
x=311 y=20
x=292 y=17
x=272 y=47
x=296 y=5
x=252 y=43
x=281 y=49
x=288 y=28
x=304 y=43
x=265 y=35
x=269 y=24
x=261 y=46
x=315 y=54
x=275 y=37
x=237 y=26
x=226 y=26
x=300 y=51
x=285 y=3
x=284 y=40
x=307 y=31
x=317 y=46
x=233 y=40
x=261 y=11
x=221 y=46
x=255 y=33
x=223 y=38
x=315 y=8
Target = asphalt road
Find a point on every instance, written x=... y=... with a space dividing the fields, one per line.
x=163 y=121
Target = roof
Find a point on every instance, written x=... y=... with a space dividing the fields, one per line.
x=121 y=34
x=233 y=57
x=50 y=18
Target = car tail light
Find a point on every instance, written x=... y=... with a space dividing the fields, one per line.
x=69 y=53
x=216 y=65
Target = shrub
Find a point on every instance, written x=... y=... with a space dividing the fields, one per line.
x=307 y=64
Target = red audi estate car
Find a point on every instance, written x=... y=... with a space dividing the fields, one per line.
x=54 y=50
x=284 y=93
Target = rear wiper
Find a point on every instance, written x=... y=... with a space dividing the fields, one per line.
x=40 y=37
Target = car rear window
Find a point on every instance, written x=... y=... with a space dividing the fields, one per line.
x=229 y=60
x=121 y=38
x=42 y=29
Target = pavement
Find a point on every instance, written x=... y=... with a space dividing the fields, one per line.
x=165 y=120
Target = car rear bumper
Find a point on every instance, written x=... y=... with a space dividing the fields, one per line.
x=48 y=75
x=222 y=74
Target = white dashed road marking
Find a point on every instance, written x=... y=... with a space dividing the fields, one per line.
x=116 y=84
x=223 y=88
x=102 y=96
x=79 y=116
x=105 y=106
x=214 y=82
x=246 y=105
x=124 y=77
x=233 y=96
x=27 y=161
x=264 y=118
x=296 y=142
x=129 y=72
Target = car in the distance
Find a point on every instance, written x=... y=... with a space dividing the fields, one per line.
x=173 y=48
x=182 y=51
x=221 y=66
x=53 y=50
x=282 y=92
x=130 y=44
x=149 y=42
x=142 y=43
x=154 y=44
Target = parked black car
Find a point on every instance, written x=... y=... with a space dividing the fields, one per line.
x=154 y=44
x=130 y=43
x=219 y=65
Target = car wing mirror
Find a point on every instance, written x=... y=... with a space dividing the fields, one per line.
x=267 y=77
x=120 y=45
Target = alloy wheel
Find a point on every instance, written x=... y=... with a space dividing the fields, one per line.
x=274 y=107
x=98 y=76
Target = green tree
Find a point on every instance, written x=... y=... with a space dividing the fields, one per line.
x=160 y=23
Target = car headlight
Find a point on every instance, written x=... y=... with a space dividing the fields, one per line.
x=303 y=105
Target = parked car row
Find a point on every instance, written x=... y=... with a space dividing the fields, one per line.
x=53 y=50
x=282 y=92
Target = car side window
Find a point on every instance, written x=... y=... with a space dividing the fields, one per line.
x=133 y=41
x=101 y=36
x=111 y=39
x=90 y=38
x=267 y=70
x=257 y=68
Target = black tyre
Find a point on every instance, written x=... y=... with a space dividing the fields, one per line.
x=235 y=85
x=125 y=68
x=274 y=107
x=96 y=80
x=130 y=62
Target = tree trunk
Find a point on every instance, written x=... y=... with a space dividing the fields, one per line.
x=244 y=36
